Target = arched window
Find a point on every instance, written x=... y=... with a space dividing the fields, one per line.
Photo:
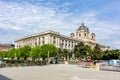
x=92 y=37
x=79 y=35
x=85 y=34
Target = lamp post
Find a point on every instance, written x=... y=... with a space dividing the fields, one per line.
x=48 y=56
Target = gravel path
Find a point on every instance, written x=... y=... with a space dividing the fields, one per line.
x=56 y=72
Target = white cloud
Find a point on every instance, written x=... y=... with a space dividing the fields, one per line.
x=118 y=47
x=118 y=42
x=67 y=4
x=8 y=27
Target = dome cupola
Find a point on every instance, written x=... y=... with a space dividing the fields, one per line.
x=72 y=35
x=93 y=36
x=83 y=27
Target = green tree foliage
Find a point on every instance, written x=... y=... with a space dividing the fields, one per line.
x=2 y=54
x=24 y=52
x=60 y=53
x=96 y=53
x=118 y=54
x=18 y=53
x=111 y=54
x=35 y=52
x=11 y=53
x=65 y=54
x=70 y=54
x=81 y=51
x=48 y=48
x=27 y=51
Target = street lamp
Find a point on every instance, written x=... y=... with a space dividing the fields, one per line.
x=48 y=56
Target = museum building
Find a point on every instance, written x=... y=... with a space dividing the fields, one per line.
x=59 y=40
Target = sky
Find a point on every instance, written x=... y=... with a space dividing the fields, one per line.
x=19 y=18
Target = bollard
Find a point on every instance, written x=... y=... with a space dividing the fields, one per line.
x=66 y=62
x=97 y=66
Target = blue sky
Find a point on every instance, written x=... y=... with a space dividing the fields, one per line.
x=19 y=18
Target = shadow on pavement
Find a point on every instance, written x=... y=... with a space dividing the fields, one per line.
x=4 y=78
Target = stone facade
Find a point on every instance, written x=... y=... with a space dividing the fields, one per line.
x=60 y=41
x=49 y=37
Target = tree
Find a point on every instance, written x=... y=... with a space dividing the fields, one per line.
x=18 y=53
x=11 y=53
x=60 y=53
x=111 y=54
x=24 y=52
x=48 y=48
x=2 y=54
x=81 y=51
x=118 y=54
x=96 y=53
x=65 y=53
x=71 y=54
x=35 y=52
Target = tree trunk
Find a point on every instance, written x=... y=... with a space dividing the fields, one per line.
x=18 y=58
x=25 y=58
x=66 y=57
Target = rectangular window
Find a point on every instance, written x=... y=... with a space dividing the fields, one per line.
x=43 y=42
x=54 y=42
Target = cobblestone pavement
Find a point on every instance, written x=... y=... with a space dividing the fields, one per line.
x=56 y=72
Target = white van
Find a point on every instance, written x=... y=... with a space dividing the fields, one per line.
x=115 y=63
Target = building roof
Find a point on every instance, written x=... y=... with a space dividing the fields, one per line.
x=72 y=34
x=7 y=45
x=47 y=32
x=83 y=27
x=92 y=33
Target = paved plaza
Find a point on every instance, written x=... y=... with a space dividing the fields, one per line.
x=56 y=72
